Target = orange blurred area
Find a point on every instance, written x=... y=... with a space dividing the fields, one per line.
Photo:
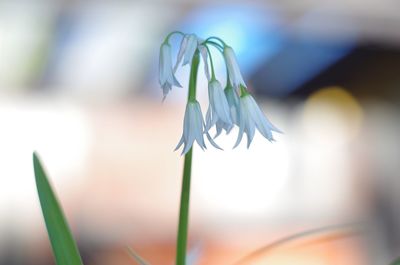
x=338 y=248
x=124 y=188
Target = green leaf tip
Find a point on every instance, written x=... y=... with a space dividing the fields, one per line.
x=136 y=257
x=64 y=247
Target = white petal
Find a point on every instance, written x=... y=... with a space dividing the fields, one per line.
x=190 y=49
x=175 y=81
x=250 y=131
x=250 y=126
x=181 y=141
x=198 y=126
x=221 y=104
x=187 y=138
x=235 y=76
x=218 y=127
x=212 y=141
x=242 y=123
x=204 y=55
x=166 y=87
x=166 y=72
x=211 y=118
x=181 y=52
x=186 y=148
x=162 y=77
x=233 y=102
x=263 y=124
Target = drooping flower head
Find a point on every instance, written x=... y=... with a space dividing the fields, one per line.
x=229 y=107
x=167 y=78
x=233 y=103
x=204 y=55
x=187 y=50
x=193 y=128
x=218 y=109
x=235 y=77
x=251 y=117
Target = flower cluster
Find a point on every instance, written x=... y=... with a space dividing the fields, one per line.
x=228 y=106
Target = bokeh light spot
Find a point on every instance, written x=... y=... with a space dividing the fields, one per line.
x=332 y=115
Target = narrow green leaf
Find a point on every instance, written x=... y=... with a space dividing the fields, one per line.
x=136 y=257
x=64 y=247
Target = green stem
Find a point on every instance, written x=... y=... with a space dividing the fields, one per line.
x=166 y=40
x=184 y=210
x=211 y=63
x=218 y=39
x=216 y=45
x=193 y=76
x=221 y=50
x=187 y=170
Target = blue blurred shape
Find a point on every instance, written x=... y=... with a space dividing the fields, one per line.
x=281 y=61
x=318 y=40
x=252 y=31
x=299 y=62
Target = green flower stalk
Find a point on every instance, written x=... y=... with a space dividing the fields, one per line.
x=183 y=225
x=192 y=125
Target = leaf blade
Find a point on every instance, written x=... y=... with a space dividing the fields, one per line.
x=63 y=244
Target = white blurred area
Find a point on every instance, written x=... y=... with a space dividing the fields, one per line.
x=78 y=84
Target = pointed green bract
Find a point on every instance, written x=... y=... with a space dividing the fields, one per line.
x=64 y=247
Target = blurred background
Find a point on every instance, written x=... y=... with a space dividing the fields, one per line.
x=78 y=83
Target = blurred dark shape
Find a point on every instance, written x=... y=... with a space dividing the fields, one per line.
x=368 y=71
x=387 y=217
x=298 y=62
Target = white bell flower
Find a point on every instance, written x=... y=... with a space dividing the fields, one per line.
x=233 y=102
x=235 y=77
x=167 y=78
x=193 y=128
x=251 y=117
x=204 y=55
x=218 y=109
x=187 y=49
